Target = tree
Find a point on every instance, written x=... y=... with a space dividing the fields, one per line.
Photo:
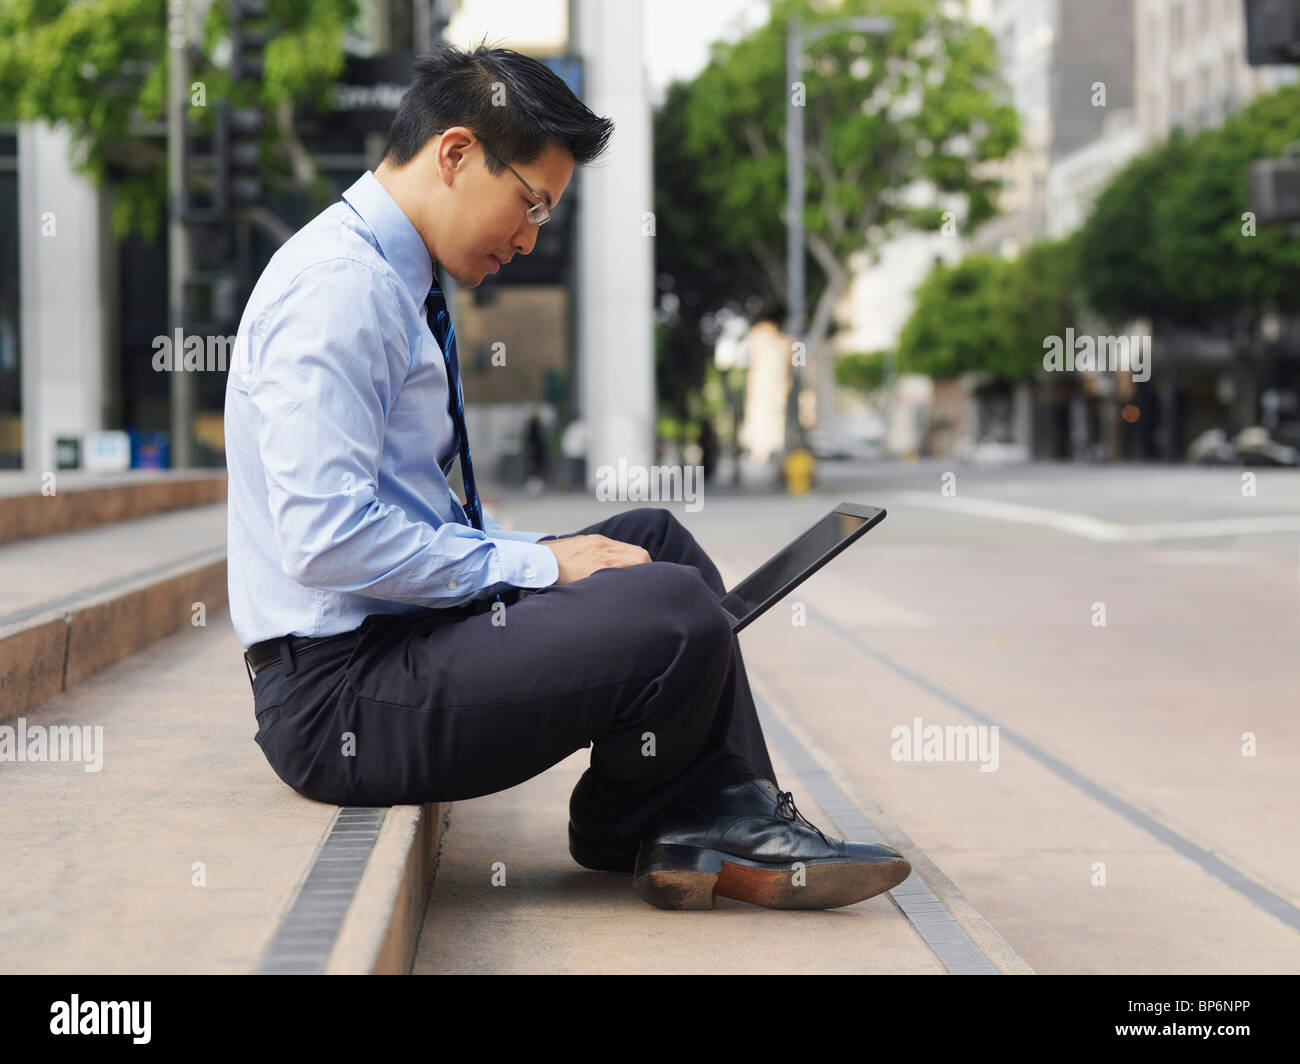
x=896 y=128
x=102 y=67
x=1170 y=239
x=1039 y=298
x=1211 y=264
x=991 y=315
x=1118 y=254
x=862 y=370
x=699 y=272
x=955 y=326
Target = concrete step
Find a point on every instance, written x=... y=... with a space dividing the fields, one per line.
x=70 y=604
x=68 y=500
x=172 y=847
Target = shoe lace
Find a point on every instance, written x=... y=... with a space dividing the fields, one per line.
x=785 y=807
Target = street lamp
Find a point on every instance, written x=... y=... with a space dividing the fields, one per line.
x=797 y=40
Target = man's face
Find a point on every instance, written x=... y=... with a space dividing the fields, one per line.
x=465 y=214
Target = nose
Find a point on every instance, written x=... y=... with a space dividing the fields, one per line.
x=526 y=238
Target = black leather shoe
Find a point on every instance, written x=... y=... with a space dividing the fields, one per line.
x=608 y=855
x=748 y=841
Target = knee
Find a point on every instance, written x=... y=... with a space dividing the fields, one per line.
x=695 y=605
x=662 y=520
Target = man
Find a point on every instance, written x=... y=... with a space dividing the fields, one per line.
x=405 y=648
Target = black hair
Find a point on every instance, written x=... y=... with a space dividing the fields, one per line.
x=513 y=101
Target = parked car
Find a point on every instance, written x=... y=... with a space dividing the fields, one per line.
x=990 y=451
x=823 y=444
x=1212 y=447
x=1251 y=446
x=1255 y=447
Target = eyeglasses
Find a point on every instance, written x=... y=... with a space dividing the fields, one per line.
x=539 y=212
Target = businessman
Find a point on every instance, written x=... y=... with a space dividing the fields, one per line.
x=402 y=646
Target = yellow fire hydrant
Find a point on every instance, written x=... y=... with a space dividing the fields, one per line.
x=798 y=469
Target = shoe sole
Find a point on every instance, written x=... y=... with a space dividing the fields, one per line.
x=687 y=877
x=599 y=858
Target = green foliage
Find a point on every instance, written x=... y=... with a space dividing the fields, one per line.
x=102 y=67
x=863 y=370
x=953 y=327
x=923 y=104
x=1166 y=239
x=1118 y=255
x=989 y=314
x=1039 y=298
x=865 y=136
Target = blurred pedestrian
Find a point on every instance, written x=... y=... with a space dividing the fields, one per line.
x=709 y=448
x=536 y=455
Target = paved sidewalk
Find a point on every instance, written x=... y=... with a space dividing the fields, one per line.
x=552 y=915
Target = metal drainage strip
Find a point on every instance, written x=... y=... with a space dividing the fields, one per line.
x=947 y=939
x=308 y=932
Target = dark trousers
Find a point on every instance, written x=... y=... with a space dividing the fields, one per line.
x=639 y=662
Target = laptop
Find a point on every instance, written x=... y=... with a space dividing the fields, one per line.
x=785 y=571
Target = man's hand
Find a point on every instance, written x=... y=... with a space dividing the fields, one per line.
x=581 y=556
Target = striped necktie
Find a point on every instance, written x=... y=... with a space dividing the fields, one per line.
x=440 y=325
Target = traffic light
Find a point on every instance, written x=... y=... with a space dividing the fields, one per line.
x=246 y=43
x=238 y=130
x=1275 y=189
x=239 y=156
x=1273 y=37
x=1272 y=32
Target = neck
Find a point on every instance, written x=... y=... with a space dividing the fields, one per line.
x=399 y=184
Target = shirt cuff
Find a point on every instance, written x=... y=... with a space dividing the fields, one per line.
x=527 y=564
x=518 y=535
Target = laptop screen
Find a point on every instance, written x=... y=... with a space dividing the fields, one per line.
x=783 y=572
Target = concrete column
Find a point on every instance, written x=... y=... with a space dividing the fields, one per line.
x=614 y=328
x=62 y=322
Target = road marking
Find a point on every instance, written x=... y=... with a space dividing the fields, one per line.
x=1209 y=557
x=1097 y=529
x=1254 y=892
x=947 y=938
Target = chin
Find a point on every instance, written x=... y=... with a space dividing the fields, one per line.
x=469 y=282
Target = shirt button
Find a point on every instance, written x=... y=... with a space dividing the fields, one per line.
x=528 y=572
x=451 y=584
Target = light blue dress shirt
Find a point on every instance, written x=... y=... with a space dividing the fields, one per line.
x=337 y=432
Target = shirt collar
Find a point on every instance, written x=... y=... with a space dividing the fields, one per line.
x=398 y=240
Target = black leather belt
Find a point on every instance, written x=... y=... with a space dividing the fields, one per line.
x=281 y=649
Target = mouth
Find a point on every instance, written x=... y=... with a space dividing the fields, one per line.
x=496 y=263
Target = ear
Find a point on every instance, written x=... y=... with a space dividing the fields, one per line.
x=450 y=149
